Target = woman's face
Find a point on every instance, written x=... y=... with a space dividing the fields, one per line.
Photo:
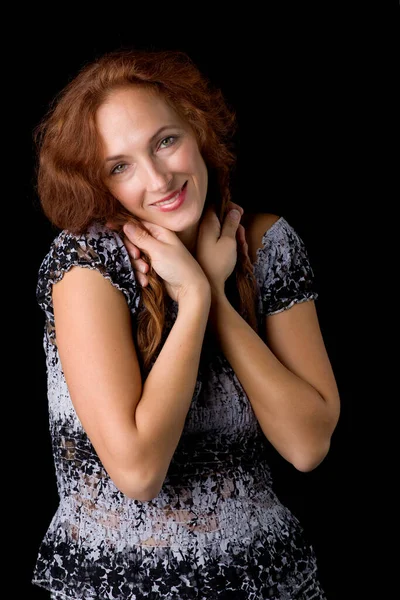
x=152 y=162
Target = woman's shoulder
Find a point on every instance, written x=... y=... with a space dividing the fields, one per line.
x=99 y=248
x=281 y=263
x=98 y=244
x=96 y=234
x=257 y=225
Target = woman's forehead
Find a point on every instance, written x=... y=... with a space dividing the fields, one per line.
x=135 y=106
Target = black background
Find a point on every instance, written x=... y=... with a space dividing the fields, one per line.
x=291 y=74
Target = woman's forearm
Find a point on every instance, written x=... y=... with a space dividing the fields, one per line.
x=168 y=390
x=292 y=414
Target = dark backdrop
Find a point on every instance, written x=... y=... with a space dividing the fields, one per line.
x=290 y=78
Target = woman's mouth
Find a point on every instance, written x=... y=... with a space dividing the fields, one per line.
x=174 y=202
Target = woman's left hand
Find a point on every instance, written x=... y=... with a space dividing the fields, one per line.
x=141 y=268
x=216 y=249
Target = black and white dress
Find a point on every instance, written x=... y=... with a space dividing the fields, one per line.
x=216 y=531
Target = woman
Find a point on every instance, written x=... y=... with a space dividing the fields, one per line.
x=182 y=343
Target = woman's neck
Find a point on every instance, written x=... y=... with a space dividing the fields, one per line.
x=189 y=238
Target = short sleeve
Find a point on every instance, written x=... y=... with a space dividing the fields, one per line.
x=100 y=249
x=283 y=270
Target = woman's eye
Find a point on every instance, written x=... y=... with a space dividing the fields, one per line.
x=118 y=169
x=168 y=141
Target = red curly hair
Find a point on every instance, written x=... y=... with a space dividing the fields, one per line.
x=70 y=182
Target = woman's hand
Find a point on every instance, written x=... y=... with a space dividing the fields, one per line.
x=169 y=257
x=141 y=267
x=216 y=249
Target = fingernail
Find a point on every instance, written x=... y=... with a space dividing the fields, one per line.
x=235 y=214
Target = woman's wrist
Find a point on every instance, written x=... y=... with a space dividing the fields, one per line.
x=219 y=304
x=199 y=294
x=218 y=294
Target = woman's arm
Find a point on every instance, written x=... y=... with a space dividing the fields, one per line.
x=134 y=428
x=289 y=379
x=289 y=382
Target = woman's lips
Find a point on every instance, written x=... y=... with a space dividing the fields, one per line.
x=173 y=203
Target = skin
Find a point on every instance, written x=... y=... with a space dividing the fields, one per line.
x=151 y=168
x=156 y=153
x=289 y=380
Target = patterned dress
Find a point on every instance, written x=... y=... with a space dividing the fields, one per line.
x=216 y=531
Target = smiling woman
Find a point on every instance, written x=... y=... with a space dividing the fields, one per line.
x=182 y=346
x=157 y=167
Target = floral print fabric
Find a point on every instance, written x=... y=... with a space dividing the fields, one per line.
x=216 y=531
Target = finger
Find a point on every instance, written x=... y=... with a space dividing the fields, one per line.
x=160 y=233
x=133 y=250
x=232 y=205
x=140 y=237
x=241 y=238
x=140 y=265
x=142 y=279
x=231 y=223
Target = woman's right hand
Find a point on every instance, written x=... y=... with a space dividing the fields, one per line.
x=141 y=267
x=169 y=257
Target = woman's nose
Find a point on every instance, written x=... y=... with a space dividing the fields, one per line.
x=156 y=177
